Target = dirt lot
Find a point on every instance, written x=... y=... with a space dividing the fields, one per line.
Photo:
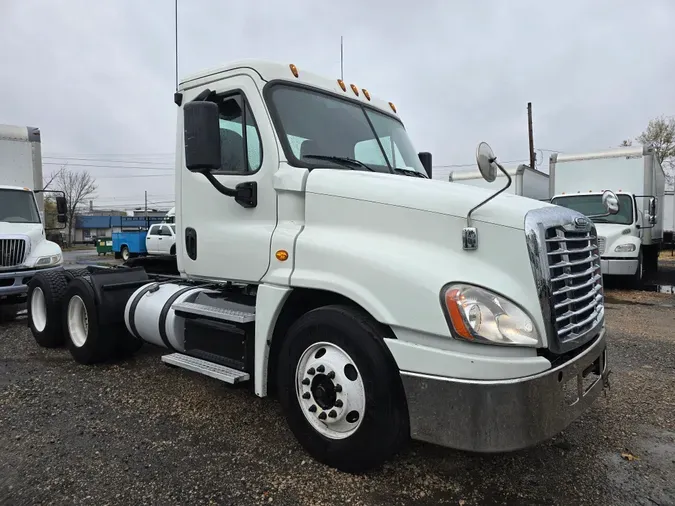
x=138 y=432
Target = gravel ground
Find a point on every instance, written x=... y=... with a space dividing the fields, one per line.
x=138 y=432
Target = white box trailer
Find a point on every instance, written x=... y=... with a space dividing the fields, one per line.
x=669 y=212
x=629 y=241
x=24 y=249
x=527 y=182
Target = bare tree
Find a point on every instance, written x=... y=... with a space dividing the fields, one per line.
x=77 y=187
x=661 y=133
x=626 y=143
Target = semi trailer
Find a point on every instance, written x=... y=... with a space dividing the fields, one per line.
x=319 y=263
x=24 y=248
x=629 y=241
x=527 y=182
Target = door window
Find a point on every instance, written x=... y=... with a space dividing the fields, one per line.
x=154 y=230
x=240 y=145
x=164 y=230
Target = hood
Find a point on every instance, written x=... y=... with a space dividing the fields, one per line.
x=452 y=199
x=613 y=235
x=32 y=230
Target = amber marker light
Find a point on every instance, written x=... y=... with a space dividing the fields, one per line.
x=452 y=301
x=342 y=84
x=282 y=255
x=294 y=69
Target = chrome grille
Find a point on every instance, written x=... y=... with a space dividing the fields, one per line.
x=576 y=281
x=563 y=249
x=601 y=244
x=13 y=252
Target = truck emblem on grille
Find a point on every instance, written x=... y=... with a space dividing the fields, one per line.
x=580 y=222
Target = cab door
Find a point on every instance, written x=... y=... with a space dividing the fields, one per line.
x=151 y=239
x=220 y=238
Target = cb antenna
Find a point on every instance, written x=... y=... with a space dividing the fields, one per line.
x=342 y=54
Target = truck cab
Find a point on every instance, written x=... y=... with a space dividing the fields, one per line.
x=320 y=262
x=630 y=240
x=24 y=249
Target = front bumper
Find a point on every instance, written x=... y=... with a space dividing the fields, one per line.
x=15 y=283
x=618 y=266
x=497 y=416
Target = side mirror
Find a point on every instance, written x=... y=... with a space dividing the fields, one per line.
x=610 y=202
x=425 y=159
x=485 y=158
x=652 y=211
x=202 y=136
x=61 y=209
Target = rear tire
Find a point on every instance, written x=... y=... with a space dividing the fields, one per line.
x=172 y=251
x=45 y=294
x=87 y=342
x=125 y=253
x=364 y=390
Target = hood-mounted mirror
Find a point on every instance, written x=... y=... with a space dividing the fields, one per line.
x=488 y=167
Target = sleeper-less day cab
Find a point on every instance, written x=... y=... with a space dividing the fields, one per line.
x=319 y=261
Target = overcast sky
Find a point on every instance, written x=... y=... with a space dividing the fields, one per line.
x=97 y=77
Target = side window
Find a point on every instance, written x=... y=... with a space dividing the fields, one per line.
x=239 y=137
x=154 y=230
x=165 y=230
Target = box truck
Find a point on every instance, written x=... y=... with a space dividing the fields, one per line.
x=24 y=249
x=527 y=182
x=629 y=241
x=465 y=329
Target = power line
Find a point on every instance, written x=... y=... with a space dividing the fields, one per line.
x=107 y=160
x=97 y=166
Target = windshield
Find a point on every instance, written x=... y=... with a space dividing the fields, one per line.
x=18 y=206
x=315 y=123
x=592 y=204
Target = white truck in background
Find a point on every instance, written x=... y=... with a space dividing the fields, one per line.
x=669 y=215
x=630 y=240
x=465 y=329
x=526 y=182
x=24 y=249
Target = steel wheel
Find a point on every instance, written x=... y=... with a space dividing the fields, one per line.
x=330 y=390
x=38 y=309
x=78 y=321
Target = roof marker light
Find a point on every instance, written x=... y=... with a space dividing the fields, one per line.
x=342 y=84
x=294 y=69
x=393 y=107
x=354 y=89
x=366 y=94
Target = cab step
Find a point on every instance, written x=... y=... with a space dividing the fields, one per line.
x=217 y=371
x=231 y=312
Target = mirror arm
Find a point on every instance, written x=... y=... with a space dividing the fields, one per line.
x=245 y=194
x=508 y=183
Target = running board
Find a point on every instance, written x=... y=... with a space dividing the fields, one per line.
x=237 y=314
x=217 y=371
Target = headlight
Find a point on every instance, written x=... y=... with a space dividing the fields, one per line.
x=625 y=248
x=476 y=314
x=47 y=261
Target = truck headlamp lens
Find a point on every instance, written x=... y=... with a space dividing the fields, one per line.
x=476 y=314
x=625 y=248
x=47 y=261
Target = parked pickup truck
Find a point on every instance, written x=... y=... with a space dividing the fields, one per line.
x=159 y=239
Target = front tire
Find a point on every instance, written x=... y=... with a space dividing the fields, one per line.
x=638 y=277
x=340 y=389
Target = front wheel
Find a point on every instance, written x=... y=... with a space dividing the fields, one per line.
x=637 y=278
x=340 y=389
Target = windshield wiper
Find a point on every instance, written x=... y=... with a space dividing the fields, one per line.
x=410 y=172
x=341 y=160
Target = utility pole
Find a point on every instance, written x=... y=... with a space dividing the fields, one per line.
x=147 y=222
x=530 y=135
x=342 y=58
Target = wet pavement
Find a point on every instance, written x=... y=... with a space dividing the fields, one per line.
x=138 y=432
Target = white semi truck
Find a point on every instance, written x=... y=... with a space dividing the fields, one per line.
x=320 y=263
x=629 y=241
x=526 y=182
x=24 y=249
